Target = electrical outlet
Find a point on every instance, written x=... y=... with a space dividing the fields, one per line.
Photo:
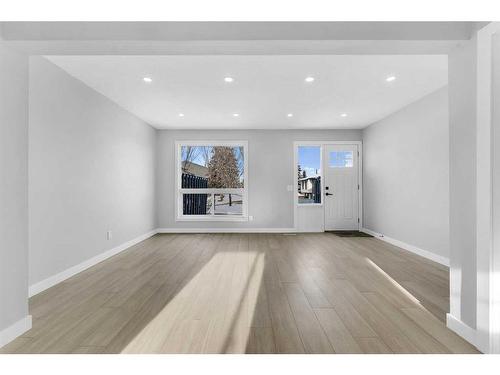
x=250 y=218
x=109 y=235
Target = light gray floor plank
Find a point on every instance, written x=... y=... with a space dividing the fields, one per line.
x=248 y=293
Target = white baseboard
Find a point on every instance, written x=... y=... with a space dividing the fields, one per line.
x=55 y=279
x=226 y=230
x=416 y=250
x=61 y=276
x=15 y=330
x=460 y=328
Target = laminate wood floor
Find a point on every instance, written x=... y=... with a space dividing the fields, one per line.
x=248 y=293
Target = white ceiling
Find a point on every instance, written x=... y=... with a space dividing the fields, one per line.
x=265 y=88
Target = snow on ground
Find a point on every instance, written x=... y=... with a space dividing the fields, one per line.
x=223 y=207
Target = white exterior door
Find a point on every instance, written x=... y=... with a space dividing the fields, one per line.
x=341 y=187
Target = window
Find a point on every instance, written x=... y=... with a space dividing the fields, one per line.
x=309 y=174
x=212 y=180
x=340 y=159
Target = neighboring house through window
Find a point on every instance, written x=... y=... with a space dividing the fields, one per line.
x=308 y=174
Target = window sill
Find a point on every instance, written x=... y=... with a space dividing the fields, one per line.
x=212 y=218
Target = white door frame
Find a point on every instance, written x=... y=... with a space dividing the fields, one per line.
x=322 y=144
x=487 y=220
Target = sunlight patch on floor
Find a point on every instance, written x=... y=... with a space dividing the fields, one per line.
x=394 y=283
x=212 y=313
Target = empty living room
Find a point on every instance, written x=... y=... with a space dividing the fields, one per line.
x=248 y=186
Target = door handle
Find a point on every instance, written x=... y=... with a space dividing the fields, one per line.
x=329 y=194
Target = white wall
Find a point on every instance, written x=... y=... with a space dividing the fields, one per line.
x=91 y=169
x=495 y=264
x=462 y=87
x=13 y=189
x=405 y=175
x=270 y=170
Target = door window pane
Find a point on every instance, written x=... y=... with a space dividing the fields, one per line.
x=340 y=159
x=309 y=174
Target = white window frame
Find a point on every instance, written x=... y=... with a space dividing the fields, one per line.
x=296 y=178
x=179 y=191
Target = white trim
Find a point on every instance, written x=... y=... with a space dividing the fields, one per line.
x=178 y=190
x=296 y=179
x=226 y=230
x=211 y=191
x=488 y=280
x=360 y=181
x=311 y=231
x=295 y=182
x=461 y=329
x=15 y=330
x=319 y=143
x=213 y=218
x=411 y=248
x=61 y=276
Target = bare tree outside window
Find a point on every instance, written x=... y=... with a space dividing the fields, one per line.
x=223 y=170
x=189 y=154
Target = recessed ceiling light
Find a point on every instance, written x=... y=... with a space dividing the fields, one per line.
x=290 y=115
x=181 y=114
x=147 y=79
x=228 y=79
x=236 y=115
x=343 y=115
x=390 y=78
x=309 y=79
